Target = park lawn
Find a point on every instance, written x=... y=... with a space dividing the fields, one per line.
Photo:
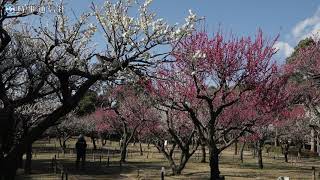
x=149 y=165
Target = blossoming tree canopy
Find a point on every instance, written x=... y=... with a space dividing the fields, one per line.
x=64 y=62
x=216 y=73
x=128 y=111
x=135 y=39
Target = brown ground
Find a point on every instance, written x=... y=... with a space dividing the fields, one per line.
x=149 y=165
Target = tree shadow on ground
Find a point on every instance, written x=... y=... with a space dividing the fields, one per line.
x=44 y=166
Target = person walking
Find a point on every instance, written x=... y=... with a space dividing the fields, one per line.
x=81 y=147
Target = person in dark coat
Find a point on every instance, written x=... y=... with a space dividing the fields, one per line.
x=81 y=147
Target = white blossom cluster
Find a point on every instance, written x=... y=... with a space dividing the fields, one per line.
x=198 y=55
x=38 y=109
x=131 y=35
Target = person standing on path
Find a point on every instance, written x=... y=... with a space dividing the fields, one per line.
x=81 y=147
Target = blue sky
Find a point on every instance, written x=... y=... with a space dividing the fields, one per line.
x=292 y=19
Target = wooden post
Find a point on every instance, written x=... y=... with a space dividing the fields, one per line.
x=52 y=164
x=108 y=162
x=313 y=173
x=55 y=164
x=162 y=173
x=100 y=160
x=120 y=165
x=66 y=175
x=62 y=173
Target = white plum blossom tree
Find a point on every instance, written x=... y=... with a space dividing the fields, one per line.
x=58 y=62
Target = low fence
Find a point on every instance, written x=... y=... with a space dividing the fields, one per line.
x=57 y=166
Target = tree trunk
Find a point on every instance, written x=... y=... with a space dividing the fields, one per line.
x=172 y=165
x=123 y=153
x=285 y=151
x=123 y=148
x=103 y=142
x=62 y=142
x=183 y=161
x=134 y=141
x=9 y=168
x=141 y=151
x=64 y=146
x=203 y=149
x=94 y=142
x=254 y=154
x=8 y=164
x=312 y=142
x=214 y=163
x=285 y=157
x=241 y=151
x=20 y=163
x=318 y=144
x=276 y=139
x=259 y=153
x=27 y=164
x=236 y=148
x=176 y=169
x=300 y=150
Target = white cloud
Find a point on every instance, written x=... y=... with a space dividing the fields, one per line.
x=284 y=48
x=307 y=27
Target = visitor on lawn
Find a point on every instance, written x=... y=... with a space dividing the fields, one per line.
x=81 y=146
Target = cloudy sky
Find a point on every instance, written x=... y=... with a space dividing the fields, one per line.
x=293 y=20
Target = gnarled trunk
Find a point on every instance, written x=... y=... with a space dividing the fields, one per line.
x=184 y=158
x=27 y=164
x=8 y=166
x=214 y=163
